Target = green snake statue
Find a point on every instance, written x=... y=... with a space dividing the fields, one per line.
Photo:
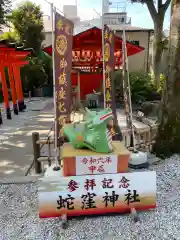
x=92 y=133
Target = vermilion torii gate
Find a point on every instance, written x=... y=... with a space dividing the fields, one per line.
x=13 y=60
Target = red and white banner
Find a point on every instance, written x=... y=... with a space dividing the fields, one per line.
x=96 y=194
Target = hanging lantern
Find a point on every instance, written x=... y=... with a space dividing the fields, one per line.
x=83 y=53
x=88 y=53
x=76 y=57
x=98 y=54
x=118 y=54
x=78 y=53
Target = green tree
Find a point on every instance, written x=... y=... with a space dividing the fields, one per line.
x=5 y=8
x=27 y=20
x=47 y=64
x=157 y=13
x=33 y=75
x=142 y=87
x=168 y=136
x=10 y=36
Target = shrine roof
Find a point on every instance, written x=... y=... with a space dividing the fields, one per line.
x=91 y=39
x=94 y=35
x=128 y=28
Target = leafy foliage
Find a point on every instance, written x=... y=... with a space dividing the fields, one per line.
x=27 y=20
x=47 y=64
x=161 y=82
x=10 y=36
x=33 y=75
x=5 y=8
x=142 y=86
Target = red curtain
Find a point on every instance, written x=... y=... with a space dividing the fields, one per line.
x=88 y=83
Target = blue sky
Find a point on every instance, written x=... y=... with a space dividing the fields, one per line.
x=138 y=13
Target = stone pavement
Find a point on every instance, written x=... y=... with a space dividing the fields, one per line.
x=16 y=136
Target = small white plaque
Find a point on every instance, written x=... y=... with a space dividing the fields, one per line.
x=96 y=164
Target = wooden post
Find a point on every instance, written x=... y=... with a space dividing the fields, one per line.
x=36 y=149
x=49 y=152
x=29 y=95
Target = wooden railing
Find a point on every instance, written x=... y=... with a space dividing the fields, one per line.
x=38 y=144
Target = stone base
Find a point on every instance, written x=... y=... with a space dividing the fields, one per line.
x=8 y=113
x=15 y=108
x=138 y=160
x=51 y=173
x=139 y=166
x=69 y=155
x=56 y=168
x=21 y=106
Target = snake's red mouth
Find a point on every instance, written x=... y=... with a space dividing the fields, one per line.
x=106 y=116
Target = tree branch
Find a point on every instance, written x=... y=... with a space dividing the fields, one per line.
x=166 y=5
x=152 y=9
x=159 y=3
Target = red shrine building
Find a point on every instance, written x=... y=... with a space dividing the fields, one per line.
x=87 y=58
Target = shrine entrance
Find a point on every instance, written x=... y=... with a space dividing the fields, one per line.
x=12 y=59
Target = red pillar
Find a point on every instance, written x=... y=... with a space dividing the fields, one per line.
x=13 y=89
x=5 y=91
x=18 y=85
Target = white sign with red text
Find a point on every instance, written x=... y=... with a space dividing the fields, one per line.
x=96 y=194
x=86 y=165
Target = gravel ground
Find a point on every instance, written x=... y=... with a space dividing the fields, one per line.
x=19 y=218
